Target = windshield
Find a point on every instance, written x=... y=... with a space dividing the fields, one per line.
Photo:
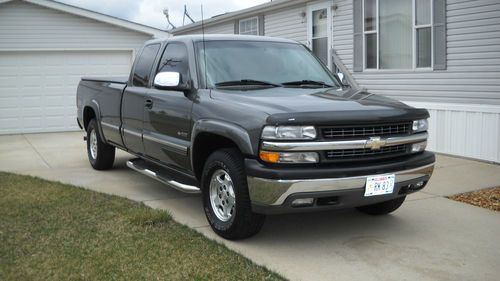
x=260 y=63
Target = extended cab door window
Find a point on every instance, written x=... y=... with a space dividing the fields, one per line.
x=134 y=99
x=144 y=65
x=167 y=123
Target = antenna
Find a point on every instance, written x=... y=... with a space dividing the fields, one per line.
x=165 y=12
x=186 y=14
x=203 y=40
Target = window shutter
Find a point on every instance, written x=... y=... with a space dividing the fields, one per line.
x=358 y=35
x=237 y=27
x=439 y=29
x=261 y=25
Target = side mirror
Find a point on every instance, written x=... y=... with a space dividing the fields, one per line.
x=341 y=76
x=170 y=81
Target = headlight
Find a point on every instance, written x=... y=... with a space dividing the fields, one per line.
x=289 y=133
x=289 y=157
x=420 y=125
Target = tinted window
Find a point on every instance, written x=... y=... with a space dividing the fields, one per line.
x=175 y=58
x=143 y=67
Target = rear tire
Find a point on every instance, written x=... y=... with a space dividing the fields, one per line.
x=382 y=208
x=101 y=155
x=226 y=200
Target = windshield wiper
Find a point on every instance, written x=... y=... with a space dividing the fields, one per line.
x=307 y=83
x=246 y=82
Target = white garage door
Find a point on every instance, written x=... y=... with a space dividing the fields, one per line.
x=38 y=89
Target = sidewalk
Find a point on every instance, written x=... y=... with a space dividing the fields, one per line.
x=429 y=237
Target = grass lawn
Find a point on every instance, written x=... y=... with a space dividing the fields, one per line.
x=53 y=231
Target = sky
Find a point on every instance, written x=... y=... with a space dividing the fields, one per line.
x=150 y=12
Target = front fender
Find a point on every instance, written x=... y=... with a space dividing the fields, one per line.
x=229 y=130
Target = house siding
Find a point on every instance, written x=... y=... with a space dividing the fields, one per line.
x=473 y=58
x=218 y=28
x=29 y=26
x=287 y=24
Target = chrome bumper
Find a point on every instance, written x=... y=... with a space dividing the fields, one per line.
x=275 y=192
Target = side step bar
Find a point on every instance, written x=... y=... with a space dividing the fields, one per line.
x=160 y=174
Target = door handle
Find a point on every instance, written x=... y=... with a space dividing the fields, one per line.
x=148 y=103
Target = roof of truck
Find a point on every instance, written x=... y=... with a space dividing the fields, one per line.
x=221 y=37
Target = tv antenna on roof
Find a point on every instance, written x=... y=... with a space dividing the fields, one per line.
x=165 y=12
x=186 y=14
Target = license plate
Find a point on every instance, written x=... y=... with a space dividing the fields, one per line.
x=379 y=185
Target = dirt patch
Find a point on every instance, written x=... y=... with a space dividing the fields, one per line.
x=488 y=198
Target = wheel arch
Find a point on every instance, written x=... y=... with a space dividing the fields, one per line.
x=208 y=136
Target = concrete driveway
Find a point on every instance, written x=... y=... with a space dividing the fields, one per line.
x=429 y=238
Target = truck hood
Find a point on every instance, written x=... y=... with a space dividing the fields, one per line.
x=317 y=106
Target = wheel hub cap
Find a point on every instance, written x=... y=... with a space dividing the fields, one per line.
x=222 y=197
x=93 y=144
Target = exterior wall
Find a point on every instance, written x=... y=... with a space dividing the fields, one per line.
x=473 y=58
x=218 y=28
x=29 y=26
x=287 y=23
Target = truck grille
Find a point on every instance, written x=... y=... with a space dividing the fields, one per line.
x=367 y=130
x=366 y=153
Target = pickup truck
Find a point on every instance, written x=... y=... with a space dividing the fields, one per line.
x=258 y=126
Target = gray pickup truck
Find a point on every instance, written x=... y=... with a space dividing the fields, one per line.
x=258 y=126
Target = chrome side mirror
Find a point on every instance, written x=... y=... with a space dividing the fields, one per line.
x=171 y=80
x=167 y=79
x=341 y=77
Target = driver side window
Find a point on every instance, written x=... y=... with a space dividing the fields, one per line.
x=175 y=58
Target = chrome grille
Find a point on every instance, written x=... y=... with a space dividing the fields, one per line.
x=366 y=131
x=365 y=153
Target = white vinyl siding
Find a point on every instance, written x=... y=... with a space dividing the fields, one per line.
x=287 y=23
x=218 y=28
x=473 y=72
x=29 y=26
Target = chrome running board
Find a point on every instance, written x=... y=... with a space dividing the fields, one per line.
x=160 y=174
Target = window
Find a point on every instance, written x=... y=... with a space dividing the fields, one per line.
x=397 y=34
x=249 y=26
x=319 y=34
x=175 y=58
x=142 y=69
x=274 y=62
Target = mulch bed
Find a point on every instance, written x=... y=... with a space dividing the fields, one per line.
x=488 y=198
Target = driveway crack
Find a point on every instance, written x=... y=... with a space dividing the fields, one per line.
x=37 y=152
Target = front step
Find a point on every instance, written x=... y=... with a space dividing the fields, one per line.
x=160 y=174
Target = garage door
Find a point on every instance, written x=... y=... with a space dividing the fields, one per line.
x=38 y=89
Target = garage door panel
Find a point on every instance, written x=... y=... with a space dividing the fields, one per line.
x=38 y=89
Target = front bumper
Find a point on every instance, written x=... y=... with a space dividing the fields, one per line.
x=343 y=189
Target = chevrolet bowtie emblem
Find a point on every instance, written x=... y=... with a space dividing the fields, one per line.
x=375 y=143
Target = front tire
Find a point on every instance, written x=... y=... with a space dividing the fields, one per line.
x=225 y=196
x=383 y=208
x=101 y=155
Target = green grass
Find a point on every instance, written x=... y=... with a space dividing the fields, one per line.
x=53 y=231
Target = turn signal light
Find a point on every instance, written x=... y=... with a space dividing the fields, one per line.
x=271 y=157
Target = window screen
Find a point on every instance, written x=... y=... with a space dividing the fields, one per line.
x=144 y=65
